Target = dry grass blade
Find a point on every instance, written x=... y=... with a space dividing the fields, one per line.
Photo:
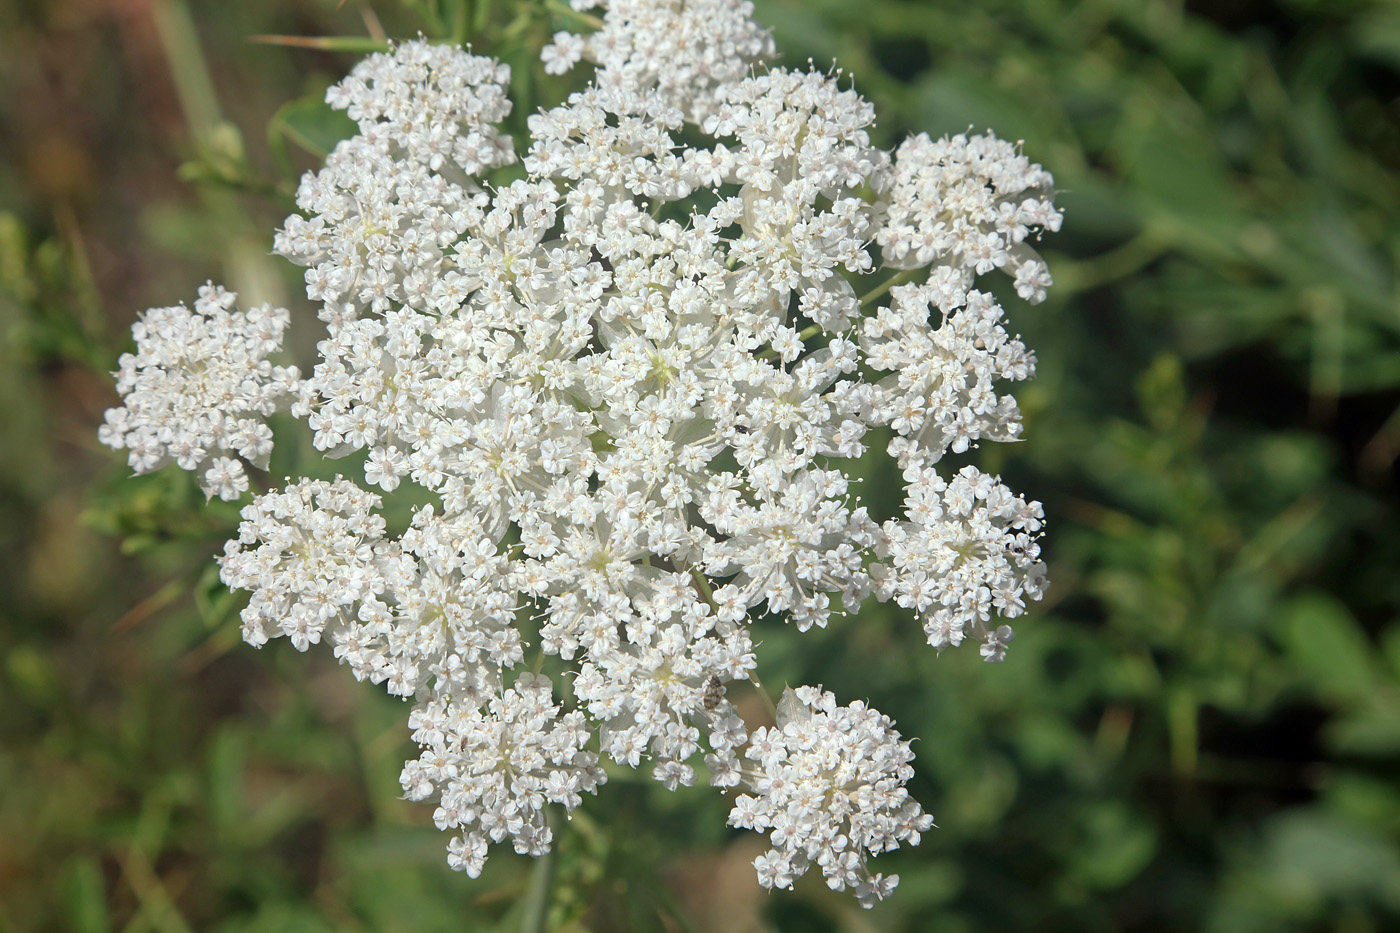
x=325 y=43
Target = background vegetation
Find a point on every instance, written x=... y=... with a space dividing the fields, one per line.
x=1200 y=730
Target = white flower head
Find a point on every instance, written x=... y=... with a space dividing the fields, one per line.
x=827 y=786
x=969 y=203
x=198 y=388
x=493 y=770
x=688 y=50
x=630 y=384
x=307 y=553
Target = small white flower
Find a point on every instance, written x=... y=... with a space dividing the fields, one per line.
x=197 y=388
x=828 y=784
x=385 y=466
x=226 y=479
x=494 y=769
x=563 y=53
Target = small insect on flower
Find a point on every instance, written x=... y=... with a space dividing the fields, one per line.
x=714 y=692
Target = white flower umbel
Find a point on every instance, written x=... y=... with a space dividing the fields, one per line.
x=942 y=395
x=968 y=551
x=307 y=553
x=198 y=388
x=685 y=49
x=494 y=769
x=969 y=203
x=828 y=787
x=633 y=385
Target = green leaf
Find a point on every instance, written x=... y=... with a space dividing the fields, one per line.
x=214 y=601
x=1323 y=640
x=1116 y=846
x=311 y=124
x=1376 y=35
x=1373 y=730
x=32 y=673
x=1161 y=392
x=84 y=896
x=1317 y=854
x=1181 y=184
x=1390 y=647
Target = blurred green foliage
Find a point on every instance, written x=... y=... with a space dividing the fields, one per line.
x=1200 y=731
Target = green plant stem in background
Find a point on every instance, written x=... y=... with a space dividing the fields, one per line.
x=195 y=88
x=537 y=895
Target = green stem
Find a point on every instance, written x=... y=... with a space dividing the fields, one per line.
x=461 y=21
x=193 y=85
x=704 y=586
x=763 y=692
x=432 y=17
x=537 y=896
x=899 y=278
x=1116 y=264
x=563 y=9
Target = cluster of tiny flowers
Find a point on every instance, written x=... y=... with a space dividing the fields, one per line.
x=199 y=387
x=942 y=393
x=684 y=49
x=967 y=550
x=313 y=558
x=496 y=767
x=828 y=787
x=632 y=384
x=968 y=204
